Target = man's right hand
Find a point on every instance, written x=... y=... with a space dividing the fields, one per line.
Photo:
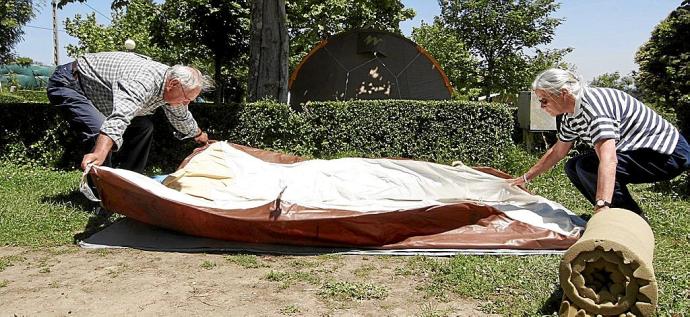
x=92 y=158
x=100 y=151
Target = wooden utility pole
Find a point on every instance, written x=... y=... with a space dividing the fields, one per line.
x=268 y=51
x=56 y=53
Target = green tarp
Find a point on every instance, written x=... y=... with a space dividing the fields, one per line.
x=26 y=77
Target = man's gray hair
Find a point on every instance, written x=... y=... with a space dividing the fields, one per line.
x=554 y=79
x=190 y=77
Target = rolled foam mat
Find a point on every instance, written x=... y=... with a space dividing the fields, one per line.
x=609 y=270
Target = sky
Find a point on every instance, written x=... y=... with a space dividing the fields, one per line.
x=605 y=34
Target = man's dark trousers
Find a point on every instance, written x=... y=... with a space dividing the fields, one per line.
x=634 y=167
x=65 y=92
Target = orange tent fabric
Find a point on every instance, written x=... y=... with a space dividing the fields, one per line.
x=464 y=225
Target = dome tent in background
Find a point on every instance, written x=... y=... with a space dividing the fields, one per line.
x=26 y=77
x=367 y=64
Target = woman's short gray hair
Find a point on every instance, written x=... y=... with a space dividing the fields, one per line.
x=554 y=79
x=190 y=77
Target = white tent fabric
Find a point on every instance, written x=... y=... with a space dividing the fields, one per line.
x=227 y=178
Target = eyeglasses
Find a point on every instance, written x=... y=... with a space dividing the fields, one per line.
x=186 y=99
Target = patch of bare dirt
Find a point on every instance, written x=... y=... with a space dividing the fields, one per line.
x=70 y=281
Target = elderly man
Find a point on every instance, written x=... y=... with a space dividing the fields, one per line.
x=108 y=99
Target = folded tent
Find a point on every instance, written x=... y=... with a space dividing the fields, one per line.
x=271 y=198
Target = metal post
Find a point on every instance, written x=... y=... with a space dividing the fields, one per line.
x=56 y=53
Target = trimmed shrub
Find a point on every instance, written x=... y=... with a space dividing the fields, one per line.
x=24 y=96
x=10 y=98
x=441 y=131
x=34 y=96
x=34 y=133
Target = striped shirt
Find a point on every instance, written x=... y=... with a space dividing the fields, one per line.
x=605 y=113
x=125 y=85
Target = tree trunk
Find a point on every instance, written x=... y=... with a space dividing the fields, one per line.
x=488 y=78
x=268 y=49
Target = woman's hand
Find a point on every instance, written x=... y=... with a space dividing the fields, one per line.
x=519 y=181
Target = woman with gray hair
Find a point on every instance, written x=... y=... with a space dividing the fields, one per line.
x=632 y=143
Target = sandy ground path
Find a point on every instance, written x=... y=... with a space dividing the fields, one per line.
x=70 y=281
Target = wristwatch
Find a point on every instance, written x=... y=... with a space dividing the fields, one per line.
x=600 y=203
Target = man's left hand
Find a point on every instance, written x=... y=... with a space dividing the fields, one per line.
x=202 y=138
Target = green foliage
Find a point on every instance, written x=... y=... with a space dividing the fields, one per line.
x=267 y=124
x=505 y=284
x=130 y=22
x=451 y=53
x=541 y=61
x=10 y=98
x=427 y=130
x=28 y=96
x=207 y=265
x=290 y=310
x=463 y=69
x=441 y=131
x=498 y=32
x=213 y=34
x=24 y=61
x=310 y=21
x=38 y=207
x=340 y=290
x=166 y=33
x=214 y=31
x=14 y=14
x=288 y=279
x=246 y=261
x=664 y=75
x=32 y=133
x=616 y=81
x=115 y=3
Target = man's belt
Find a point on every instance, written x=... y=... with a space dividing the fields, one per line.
x=75 y=70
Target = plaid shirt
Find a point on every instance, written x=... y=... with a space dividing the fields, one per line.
x=126 y=85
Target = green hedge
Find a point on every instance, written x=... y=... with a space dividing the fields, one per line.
x=39 y=96
x=441 y=131
x=7 y=98
x=428 y=130
x=24 y=96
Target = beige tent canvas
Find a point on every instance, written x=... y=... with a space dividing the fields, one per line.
x=236 y=193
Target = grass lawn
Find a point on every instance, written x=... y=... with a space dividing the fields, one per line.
x=39 y=207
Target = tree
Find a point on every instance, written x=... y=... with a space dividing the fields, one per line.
x=616 y=81
x=451 y=53
x=132 y=21
x=498 y=32
x=664 y=60
x=541 y=61
x=268 y=75
x=212 y=35
x=116 y=4
x=199 y=29
x=310 y=21
x=184 y=31
x=14 y=14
